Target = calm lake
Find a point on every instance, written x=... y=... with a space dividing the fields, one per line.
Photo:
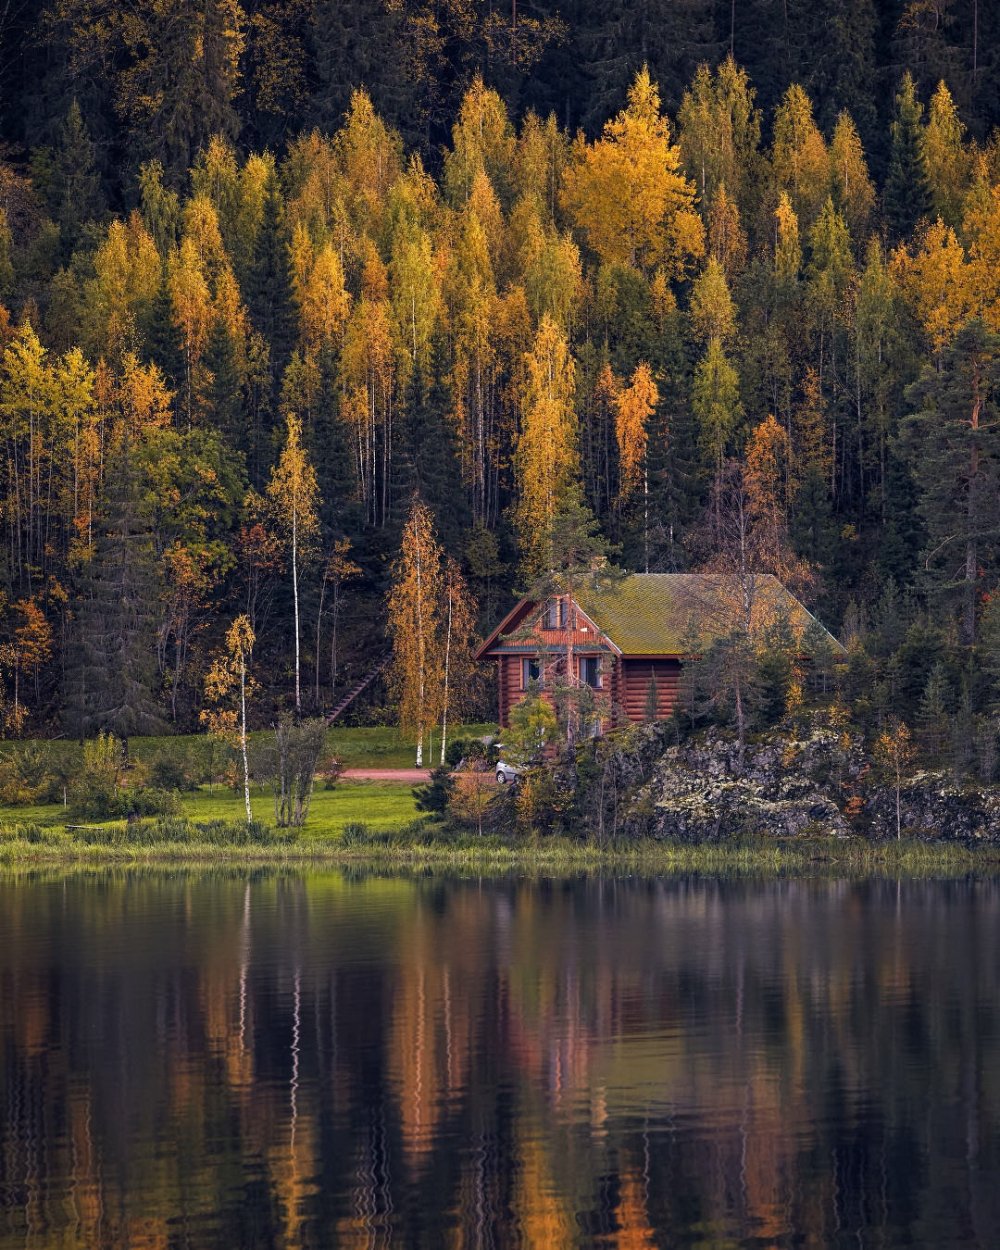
x=285 y=1060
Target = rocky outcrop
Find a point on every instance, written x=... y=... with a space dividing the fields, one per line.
x=794 y=782
x=790 y=785
x=935 y=808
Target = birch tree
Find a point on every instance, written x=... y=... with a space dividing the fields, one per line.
x=414 y=616
x=546 y=460
x=458 y=613
x=294 y=496
x=228 y=685
x=634 y=405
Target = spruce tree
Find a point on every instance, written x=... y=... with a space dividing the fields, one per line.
x=224 y=394
x=269 y=290
x=952 y=441
x=907 y=196
x=842 y=74
x=112 y=677
x=76 y=184
x=933 y=711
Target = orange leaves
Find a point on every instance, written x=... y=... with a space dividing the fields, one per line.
x=546 y=459
x=938 y=282
x=634 y=405
x=318 y=285
x=766 y=472
x=293 y=491
x=32 y=637
x=799 y=156
x=414 y=619
x=626 y=192
x=228 y=684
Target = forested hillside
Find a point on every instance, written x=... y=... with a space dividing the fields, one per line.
x=270 y=273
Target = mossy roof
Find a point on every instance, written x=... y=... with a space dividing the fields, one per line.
x=668 y=613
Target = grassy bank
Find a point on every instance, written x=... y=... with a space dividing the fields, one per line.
x=413 y=851
x=383 y=805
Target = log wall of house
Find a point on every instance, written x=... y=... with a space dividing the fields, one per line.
x=510 y=691
x=509 y=685
x=635 y=678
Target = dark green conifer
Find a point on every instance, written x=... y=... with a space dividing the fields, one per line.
x=112 y=678
x=907 y=197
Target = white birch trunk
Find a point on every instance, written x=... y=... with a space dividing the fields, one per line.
x=295 y=597
x=447 y=673
x=421 y=664
x=243 y=737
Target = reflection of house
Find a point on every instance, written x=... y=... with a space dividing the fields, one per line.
x=628 y=638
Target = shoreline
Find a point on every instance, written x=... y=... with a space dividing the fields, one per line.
x=800 y=857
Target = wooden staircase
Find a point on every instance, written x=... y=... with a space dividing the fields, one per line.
x=358 y=688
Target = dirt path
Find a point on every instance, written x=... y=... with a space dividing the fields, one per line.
x=405 y=776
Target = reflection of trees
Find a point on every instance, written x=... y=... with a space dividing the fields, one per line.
x=306 y=1061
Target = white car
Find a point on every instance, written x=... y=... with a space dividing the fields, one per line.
x=507 y=772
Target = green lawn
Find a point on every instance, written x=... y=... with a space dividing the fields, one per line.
x=380 y=805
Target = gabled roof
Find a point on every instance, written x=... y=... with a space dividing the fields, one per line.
x=647 y=614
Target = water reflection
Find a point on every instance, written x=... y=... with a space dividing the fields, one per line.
x=304 y=1060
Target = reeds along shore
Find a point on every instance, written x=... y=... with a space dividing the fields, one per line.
x=807 y=857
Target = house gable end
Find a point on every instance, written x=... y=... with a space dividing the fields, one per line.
x=591 y=633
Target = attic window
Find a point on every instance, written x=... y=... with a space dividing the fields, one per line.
x=555 y=614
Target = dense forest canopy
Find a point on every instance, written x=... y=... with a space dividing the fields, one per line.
x=270 y=272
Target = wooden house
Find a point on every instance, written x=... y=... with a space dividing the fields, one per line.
x=628 y=638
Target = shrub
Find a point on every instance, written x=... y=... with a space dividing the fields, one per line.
x=355 y=832
x=174 y=769
x=121 y=804
x=472 y=798
x=288 y=763
x=32 y=774
x=436 y=795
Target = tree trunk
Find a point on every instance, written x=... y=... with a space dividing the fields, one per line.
x=447 y=674
x=319 y=632
x=295 y=597
x=971 y=554
x=421 y=664
x=243 y=736
x=333 y=638
x=741 y=737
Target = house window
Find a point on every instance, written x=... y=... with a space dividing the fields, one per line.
x=531 y=671
x=555 y=614
x=590 y=671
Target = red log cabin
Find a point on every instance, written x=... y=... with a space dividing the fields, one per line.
x=629 y=638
